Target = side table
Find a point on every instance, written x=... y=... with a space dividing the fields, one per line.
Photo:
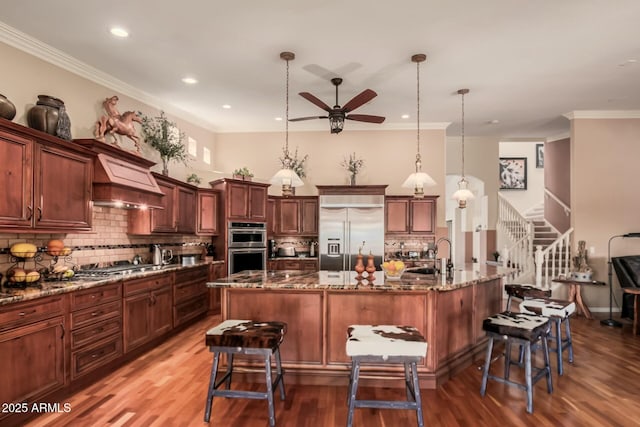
x=636 y=307
x=575 y=295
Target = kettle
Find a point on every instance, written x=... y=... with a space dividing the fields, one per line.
x=157 y=254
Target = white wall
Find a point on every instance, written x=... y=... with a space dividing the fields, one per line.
x=523 y=200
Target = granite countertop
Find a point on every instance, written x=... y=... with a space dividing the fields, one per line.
x=13 y=295
x=346 y=280
x=276 y=258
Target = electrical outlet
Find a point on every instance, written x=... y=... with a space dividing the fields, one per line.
x=592 y=250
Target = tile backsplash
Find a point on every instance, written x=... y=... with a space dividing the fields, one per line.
x=108 y=242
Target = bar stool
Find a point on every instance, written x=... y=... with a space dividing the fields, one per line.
x=523 y=292
x=245 y=337
x=558 y=312
x=386 y=344
x=521 y=329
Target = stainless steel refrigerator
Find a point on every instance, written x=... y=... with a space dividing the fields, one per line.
x=345 y=223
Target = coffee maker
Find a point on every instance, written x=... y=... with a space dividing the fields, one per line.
x=273 y=248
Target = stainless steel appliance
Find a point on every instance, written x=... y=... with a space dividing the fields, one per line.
x=247 y=246
x=345 y=222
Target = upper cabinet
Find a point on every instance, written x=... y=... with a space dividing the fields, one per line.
x=294 y=216
x=46 y=182
x=406 y=215
x=208 y=217
x=178 y=213
x=243 y=200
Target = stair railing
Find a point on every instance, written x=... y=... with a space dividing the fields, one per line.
x=519 y=232
x=520 y=256
x=554 y=260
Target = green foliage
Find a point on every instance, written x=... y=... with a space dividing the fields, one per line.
x=298 y=165
x=164 y=136
x=353 y=164
x=194 y=178
x=244 y=171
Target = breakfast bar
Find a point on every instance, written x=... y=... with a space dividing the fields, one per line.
x=319 y=306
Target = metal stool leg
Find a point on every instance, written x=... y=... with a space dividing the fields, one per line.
x=355 y=372
x=568 y=341
x=558 y=336
x=408 y=380
x=212 y=386
x=416 y=394
x=229 y=370
x=547 y=364
x=527 y=374
x=487 y=365
x=267 y=368
x=280 y=373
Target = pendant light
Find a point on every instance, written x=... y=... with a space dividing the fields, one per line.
x=287 y=177
x=463 y=193
x=418 y=179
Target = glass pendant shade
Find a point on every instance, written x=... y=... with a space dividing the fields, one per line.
x=288 y=179
x=463 y=194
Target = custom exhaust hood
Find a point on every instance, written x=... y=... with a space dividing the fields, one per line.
x=122 y=179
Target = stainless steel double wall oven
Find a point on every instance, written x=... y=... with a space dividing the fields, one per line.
x=247 y=246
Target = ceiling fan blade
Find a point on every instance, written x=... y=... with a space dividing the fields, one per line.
x=362 y=98
x=314 y=100
x=365 y=118
x=299 y=119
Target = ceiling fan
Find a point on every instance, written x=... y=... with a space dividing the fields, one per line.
x=338 y=114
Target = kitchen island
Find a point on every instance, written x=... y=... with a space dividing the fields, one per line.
x=319 y=306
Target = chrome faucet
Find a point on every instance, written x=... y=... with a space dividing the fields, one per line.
x=450 y=261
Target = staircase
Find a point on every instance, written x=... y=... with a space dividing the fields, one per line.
x=543 y=234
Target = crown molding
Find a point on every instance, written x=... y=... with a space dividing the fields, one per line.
x=603 y=114
x=564 y=135
x=43 y=51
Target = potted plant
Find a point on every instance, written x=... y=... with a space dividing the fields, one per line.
x=193 y=178
x=297 y=165
x=353 y=166
x=164 y=136
x=243 y=174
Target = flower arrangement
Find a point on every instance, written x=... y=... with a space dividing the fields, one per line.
x=353 y=166
x=297 y=165
x=244 y=173
x=163 y=135
x=194 y=178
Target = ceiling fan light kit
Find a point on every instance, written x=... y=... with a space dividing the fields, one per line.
x=286 y=177
x=337 y=115
x=418 y=180
x=463 y=193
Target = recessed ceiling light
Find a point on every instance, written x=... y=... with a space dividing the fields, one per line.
x=405 y=116
x=189 y=80
x=628 y=62
x=278 y=119
x=493 y=122
x=226 y=106
x=119 y=32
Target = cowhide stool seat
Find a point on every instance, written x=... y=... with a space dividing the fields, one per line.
x=523 y=292
x=558 y=312
x=523 y=329
x=386 y=344
x=245 y=337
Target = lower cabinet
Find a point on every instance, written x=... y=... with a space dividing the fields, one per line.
x=293 y=264
x=96 y=328
x=32 y=351
x=216 y=271
x=147 y=310
x=190 y=294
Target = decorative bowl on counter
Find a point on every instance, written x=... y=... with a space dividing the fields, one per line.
x=393 y=269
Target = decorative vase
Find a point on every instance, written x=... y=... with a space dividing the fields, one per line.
x=165 y=166
x=359 y=268
x=7 y=109
x=353 y=179
x=49 y=115
x=371 y=268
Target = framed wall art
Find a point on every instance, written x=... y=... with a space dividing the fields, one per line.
x=539 y=155
x=513 y=173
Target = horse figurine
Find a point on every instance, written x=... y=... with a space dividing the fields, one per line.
x=114 y=122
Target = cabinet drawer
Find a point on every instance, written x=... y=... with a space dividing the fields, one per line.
x=95 y=314
x=95 y=332
x=23 y=313
x=97 y=295
x=192 y=274
x=186 y=291
x=92 y=357
x=142 y=285
x=190 y=309
x=289 y=264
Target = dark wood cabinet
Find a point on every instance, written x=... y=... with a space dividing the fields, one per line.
x=178 y=213
x=47 y=186
x=207 y=213
x=32 y=350
x=295 y=216
x=293 y=264
x=190 y=296
x=243 y=200
x=147 y=310
x=272 y=221
x=406 y=215
x=216 y=271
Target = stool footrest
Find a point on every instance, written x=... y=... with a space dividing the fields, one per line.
x=385 y=404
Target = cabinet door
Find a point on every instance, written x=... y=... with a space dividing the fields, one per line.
x=164 y=220
x=272 y=222
x=238 y=195
x=217 y=271
x=397 y=215
x=62 y=189
x=207 y=213
x=422 y=216
x=16 y=181
x=135 y=317
x=309 y=216
x=289 y=216
x=33 y=360
x=257 y=203
x=186 y=207
x=161 y=311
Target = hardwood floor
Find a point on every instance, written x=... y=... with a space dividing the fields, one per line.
x=167 y=387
